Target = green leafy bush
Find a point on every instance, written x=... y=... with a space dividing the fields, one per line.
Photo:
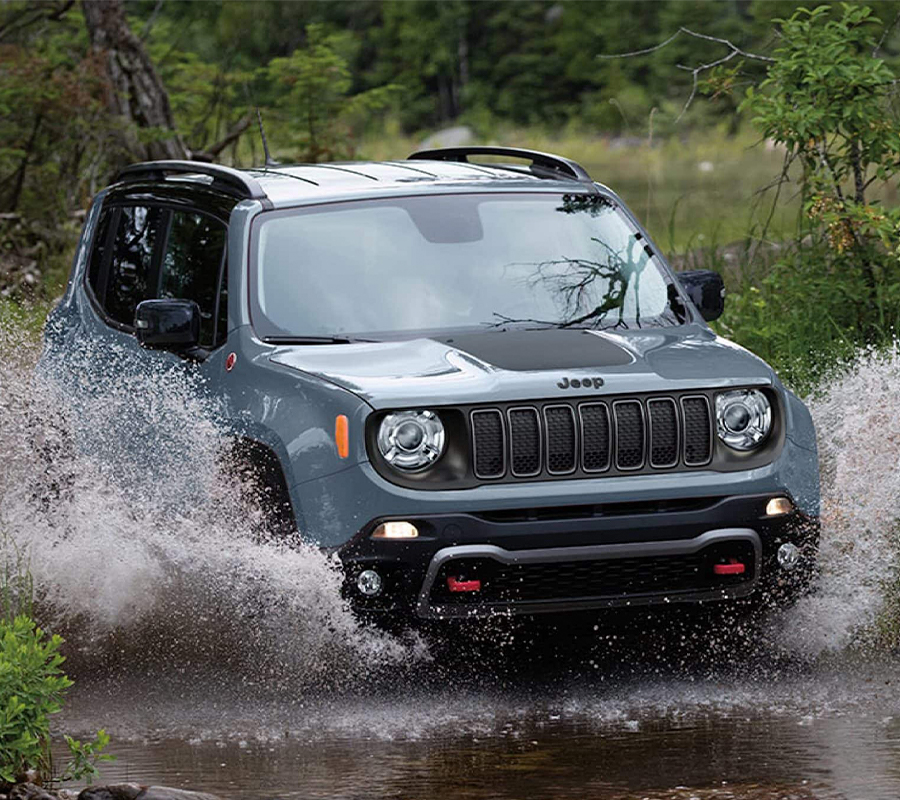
x=32 y=685
x=32 y=688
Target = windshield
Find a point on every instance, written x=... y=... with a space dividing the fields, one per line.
x=440 y=263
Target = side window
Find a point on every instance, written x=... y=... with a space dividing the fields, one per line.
x=131 y=266
x=191 y=268
x=101 y=240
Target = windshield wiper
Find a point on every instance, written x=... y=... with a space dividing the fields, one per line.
x=312 y=340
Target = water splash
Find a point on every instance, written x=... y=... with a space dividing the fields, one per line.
x=859 y=444
x=144 y=550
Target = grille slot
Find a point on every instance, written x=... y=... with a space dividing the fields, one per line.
x=697 y=431
x=630 y=435
x=663 y=415
x=488 y=443
x=561 y=457
x=524 y=441
x=595 y=444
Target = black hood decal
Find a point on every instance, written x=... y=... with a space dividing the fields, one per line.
x=528 y=351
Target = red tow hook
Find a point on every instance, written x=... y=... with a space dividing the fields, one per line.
x=455 y=585
x=733 y=567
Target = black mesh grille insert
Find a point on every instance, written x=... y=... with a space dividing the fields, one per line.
x=663 y=432
x=595 y=437
x=560 y=439
x=629 y=434
x=487 y=427
x=525 y=441
x=697 y=431
x=612 y=578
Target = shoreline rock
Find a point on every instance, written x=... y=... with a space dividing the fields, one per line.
x=115 y=791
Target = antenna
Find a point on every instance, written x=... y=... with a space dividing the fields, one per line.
x=270 y=162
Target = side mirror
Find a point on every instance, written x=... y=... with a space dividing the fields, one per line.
x=706 y=290
x=167 y=324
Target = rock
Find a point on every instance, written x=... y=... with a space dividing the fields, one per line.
x=456 y=136
x=166 y=793
x=29 y=791
x=116 y=791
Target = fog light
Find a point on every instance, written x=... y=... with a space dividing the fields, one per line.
x=788 y=556
x=778 y=506
x=395 y=530
x=369 y=583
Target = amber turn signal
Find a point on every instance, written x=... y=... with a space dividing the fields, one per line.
x=342 y=435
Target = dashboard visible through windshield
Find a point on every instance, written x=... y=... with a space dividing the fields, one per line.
x=453 y=262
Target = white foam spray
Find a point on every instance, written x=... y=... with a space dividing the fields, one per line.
x=143 y=549
x=858 y=426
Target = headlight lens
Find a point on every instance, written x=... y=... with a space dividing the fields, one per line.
x=411 y=440
x=743 y=418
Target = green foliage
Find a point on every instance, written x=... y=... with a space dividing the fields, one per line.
x=797 y=314
x=315 y=83
x=32 y=685
x=827 y=99
x=84 y=758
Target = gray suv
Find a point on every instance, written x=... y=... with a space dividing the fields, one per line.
x=480 y=384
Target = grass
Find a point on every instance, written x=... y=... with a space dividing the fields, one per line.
x=697 y=192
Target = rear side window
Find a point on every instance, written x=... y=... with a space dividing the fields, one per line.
x=192 y=266
x=131 y=266
x=144 y=252
x=101 y=245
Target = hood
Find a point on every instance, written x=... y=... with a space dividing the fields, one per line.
x=501 y=366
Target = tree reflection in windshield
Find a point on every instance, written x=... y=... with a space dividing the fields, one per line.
x=575 y=281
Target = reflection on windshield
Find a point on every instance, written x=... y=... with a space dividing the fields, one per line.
x=449 y=262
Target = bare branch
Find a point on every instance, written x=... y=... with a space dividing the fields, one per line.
x=695 y=71
x=148 y=26
x=885 y=34
x=695 y=74
x=744 y=53
x=211 y=152
x=653 y=49
x=737 y=50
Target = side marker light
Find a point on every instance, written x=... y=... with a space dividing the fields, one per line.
x=342 y=435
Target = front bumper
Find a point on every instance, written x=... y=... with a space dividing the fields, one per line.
x=570 y=558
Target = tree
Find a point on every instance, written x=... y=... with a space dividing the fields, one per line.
x=315 y=82
x=135 y=92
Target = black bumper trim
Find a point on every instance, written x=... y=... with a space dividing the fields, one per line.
x=426 y=610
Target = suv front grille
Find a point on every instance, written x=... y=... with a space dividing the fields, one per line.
x=619 y=436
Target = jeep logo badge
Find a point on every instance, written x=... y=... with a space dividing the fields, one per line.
x=584 y=383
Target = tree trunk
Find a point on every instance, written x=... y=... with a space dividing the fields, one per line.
x=136 y=93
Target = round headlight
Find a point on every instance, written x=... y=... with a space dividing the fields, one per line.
x=743 y=418
x=411 y=440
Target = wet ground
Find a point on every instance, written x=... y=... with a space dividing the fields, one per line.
x=633 y=719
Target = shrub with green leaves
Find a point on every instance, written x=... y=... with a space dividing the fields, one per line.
x=32 y=688
x=32 y=685
x=829 y=100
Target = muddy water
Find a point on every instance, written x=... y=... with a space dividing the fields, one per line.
x=799 y=731
x=218 y=659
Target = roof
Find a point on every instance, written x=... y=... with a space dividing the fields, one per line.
x=314 y=182
x=430 y=171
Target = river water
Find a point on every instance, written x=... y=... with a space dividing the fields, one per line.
x=220 y=660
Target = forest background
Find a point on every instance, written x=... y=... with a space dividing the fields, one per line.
x=736 y=129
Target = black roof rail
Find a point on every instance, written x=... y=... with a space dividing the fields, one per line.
x=229 y=178
x=547 y=161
